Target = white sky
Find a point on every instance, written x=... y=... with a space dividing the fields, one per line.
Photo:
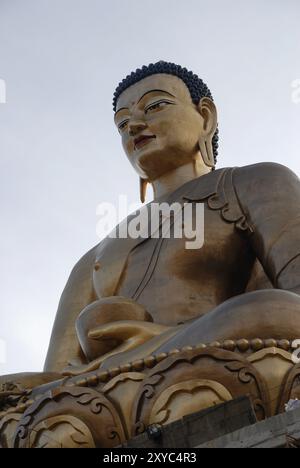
x=60 y=155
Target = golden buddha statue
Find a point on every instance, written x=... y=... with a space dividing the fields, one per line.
x=147 y=330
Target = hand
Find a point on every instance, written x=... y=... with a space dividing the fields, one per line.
x=102 y=312
x=127 y=335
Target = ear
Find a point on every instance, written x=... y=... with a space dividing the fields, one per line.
x=208 y=112
x=143 y=188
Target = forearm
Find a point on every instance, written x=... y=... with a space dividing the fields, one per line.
x=63 y=349
x=289 y=277
x=78 y=293
x=261 y=314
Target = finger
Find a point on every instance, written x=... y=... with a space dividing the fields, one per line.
x=116 y=330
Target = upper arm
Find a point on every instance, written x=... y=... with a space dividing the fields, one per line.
x=78 y=293
x=269 y=195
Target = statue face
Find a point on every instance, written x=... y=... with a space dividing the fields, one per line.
x=159 y=124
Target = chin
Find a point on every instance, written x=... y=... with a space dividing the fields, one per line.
x=151 y=162
x=155 y=165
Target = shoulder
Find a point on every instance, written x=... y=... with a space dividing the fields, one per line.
x=265 y=170
x=267 y=186
x=266 y=176
x=85 y=264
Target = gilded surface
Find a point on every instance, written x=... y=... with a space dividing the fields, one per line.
x=147 y=330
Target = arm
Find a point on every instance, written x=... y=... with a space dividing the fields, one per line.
x=269 y=195
x=78 y=293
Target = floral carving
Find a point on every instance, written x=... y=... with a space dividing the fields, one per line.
x=231 y=370
x=89 y=406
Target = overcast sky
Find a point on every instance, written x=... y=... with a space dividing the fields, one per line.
x=60 y=155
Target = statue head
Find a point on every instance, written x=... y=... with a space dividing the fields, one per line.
x=167 y=118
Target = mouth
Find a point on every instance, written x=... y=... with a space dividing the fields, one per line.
x=142 y=141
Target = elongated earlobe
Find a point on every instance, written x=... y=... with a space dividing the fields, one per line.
x=206 y=150
x=208 y=111
x=143 y=189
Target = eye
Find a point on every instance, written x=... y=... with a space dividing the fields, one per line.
x=122 y=125
x=157 y=105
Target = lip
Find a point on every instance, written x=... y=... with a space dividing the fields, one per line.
x=142 y=141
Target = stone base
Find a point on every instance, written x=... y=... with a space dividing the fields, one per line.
x=281 y=431
x=108 y=408
x=197 y=428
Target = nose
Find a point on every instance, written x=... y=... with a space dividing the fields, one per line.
x=135 y=126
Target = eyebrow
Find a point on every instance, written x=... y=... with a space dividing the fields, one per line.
x=145 y=94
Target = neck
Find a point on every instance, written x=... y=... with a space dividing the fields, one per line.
x=171 y=181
